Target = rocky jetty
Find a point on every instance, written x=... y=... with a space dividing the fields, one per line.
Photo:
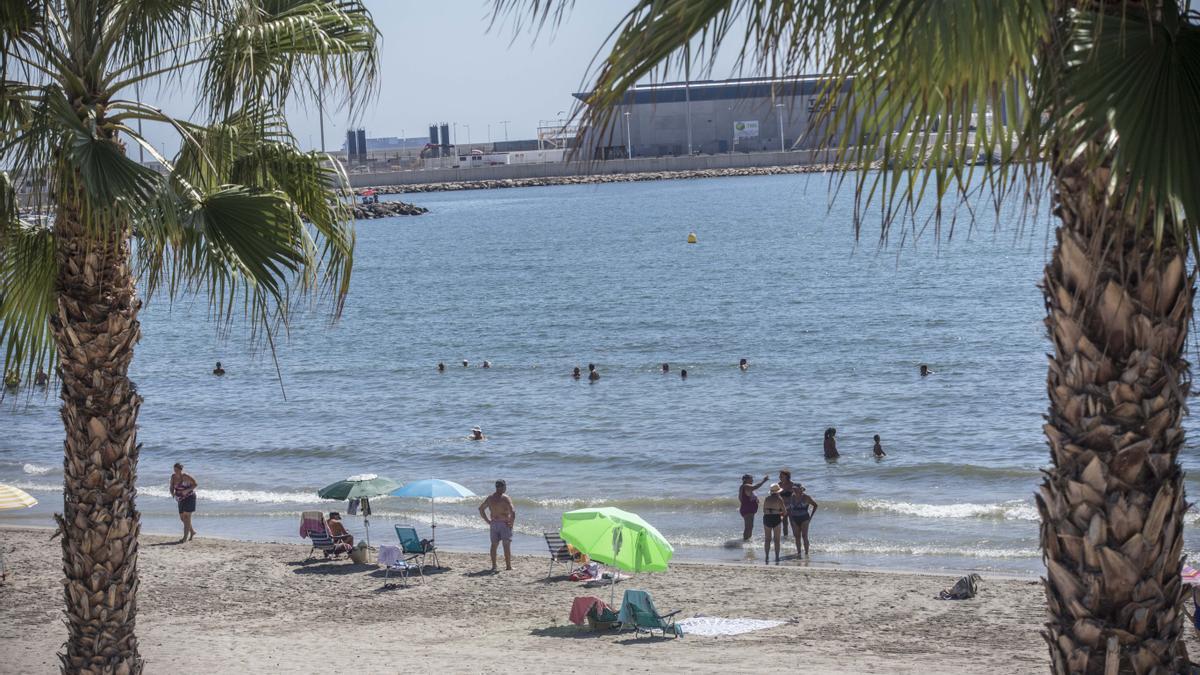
x=602 y=178
x=386 y=210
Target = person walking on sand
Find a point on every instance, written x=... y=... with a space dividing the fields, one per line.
x=800 y=516
x=748 y=503
x=878 y=449
x=831 y=451
x=183 y=488
x=500 y=515
x=774 y=509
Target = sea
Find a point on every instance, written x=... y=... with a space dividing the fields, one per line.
x=539 y=280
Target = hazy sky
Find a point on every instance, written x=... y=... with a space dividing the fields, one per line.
x=441 y=63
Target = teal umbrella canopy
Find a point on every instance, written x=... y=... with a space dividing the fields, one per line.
x=355 y=487
x=431 y=488
x=617 y=538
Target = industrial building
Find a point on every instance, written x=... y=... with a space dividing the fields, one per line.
x=710 y=117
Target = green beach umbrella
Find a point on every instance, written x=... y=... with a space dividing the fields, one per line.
x=617 y=538
x=362 y=486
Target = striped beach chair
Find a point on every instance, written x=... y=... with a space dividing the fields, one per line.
x=559 y=553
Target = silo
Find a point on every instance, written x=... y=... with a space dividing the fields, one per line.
x=362 y=144
x=351 y=146
x=433 y=134
x=445 y=135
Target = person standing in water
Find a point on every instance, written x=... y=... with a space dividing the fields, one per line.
x=744 y=365
x=748 y=503
x=476 y=434
x=500 y=515
x=831 y=451
x=683 y=374
x=785 y=492
x=774 y=509
x=925 y=371
x=575 y=374
x=218 y=371
x=666 y=368
x=441 y=367
x=878 y=449
x=183 y=488
x=799 y=514
x=593 y=374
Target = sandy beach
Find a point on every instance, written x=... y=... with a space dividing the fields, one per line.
x=216 y=605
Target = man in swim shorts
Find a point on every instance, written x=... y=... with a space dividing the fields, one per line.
x=500 y=515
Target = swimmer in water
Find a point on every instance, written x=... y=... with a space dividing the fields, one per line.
x=683 y=374
x=593 y=374
x=665 y=369
x=878 y=449
x=41 y=379
x=925 y=371
x=575 y=373
x=441 y=367
x=487 y=364
x=744 y=365
x=477 y=434
x=465 y=364
x=218 y=370
x=831 y=451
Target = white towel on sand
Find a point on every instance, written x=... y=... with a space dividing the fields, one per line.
x=712 y=626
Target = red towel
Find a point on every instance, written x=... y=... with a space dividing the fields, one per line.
x=582 y=605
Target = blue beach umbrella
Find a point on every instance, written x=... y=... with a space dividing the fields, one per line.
x=431 y=489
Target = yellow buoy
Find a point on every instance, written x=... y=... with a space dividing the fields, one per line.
x=691 y=237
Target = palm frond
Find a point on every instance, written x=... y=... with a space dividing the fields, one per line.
x=27 y=274
x=273 y=47
x=1135 y=81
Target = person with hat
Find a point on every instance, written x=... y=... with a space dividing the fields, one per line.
x=800 y=516
x=748 y=503
x=774 y=509
x=477 y=434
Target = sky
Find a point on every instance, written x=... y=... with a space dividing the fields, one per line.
x=442 y=61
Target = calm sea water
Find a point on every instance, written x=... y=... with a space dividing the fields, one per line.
x=538 y=280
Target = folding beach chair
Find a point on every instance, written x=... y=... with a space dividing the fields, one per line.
x=393 y=560
x=559 y=553
x=637 y=610
x=312 y=526
x=415 y=546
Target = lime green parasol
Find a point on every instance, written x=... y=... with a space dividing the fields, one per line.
x=617 y=538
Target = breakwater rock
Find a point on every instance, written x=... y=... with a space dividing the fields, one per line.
x=386 y=210
x=602 y=178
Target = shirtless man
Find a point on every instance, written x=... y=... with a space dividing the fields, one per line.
x=500 y=514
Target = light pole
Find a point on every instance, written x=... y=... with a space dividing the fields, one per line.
x=628 y=138
x=455 y=139
x=687 y=95
x=779 y=112
x=505 y=123
x=489 y=132
x=468 y=128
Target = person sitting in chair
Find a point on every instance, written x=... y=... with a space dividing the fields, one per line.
x=337 y=531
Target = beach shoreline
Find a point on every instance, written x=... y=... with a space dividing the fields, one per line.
x=215 y=605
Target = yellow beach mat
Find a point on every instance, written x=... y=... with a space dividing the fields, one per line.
x=14 y=498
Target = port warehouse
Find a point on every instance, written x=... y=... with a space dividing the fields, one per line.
x=654 y=120
x=669 y=119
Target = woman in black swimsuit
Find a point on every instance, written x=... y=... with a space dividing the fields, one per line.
x=183 y=488
x=785 y=491
x=800 y=516
x=774 y=509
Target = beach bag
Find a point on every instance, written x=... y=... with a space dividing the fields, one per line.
x=963 y=589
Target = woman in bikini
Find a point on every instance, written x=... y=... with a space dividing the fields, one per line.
x=799 y=514
x=183 y=488
x=748 y=504
x=774 y=509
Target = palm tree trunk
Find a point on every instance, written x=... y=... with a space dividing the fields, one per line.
x=95 y=330
x=1112 y=505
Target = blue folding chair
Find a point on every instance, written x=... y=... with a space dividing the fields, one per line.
x=415 y=546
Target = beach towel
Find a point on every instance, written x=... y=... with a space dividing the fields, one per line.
x=964 y=589
x=712 y=626
x=390 y=555
x=582 y=605
x=311 y=521
x=585 y=572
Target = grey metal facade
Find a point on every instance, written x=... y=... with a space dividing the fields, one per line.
x=654 y=119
